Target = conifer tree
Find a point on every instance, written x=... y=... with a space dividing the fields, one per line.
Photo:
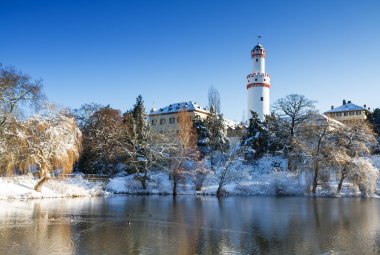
x=203 y=135
x=217 y=132
x=255 y=138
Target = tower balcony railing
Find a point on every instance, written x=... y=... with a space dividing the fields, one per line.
x=258 y=75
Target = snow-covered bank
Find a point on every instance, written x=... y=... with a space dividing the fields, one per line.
x=281 y=183
x=267 y=177
x=21 y=187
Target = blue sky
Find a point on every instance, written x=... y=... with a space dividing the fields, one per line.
x=170 y=51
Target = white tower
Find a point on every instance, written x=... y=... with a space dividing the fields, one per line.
x=258 y=85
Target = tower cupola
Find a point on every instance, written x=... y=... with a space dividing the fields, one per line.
x=258 y=51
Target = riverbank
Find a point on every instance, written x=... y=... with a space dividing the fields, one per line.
x=21 y=187
x=264 y=179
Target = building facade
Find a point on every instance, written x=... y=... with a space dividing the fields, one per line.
x=348 y=112
x=258 y=85
x=168 y=118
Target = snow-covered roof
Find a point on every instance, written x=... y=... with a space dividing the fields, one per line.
x=347 y=107
x=231 y=123
x=177 y=107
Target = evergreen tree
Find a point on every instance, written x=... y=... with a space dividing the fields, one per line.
x=203 y=135
x=218 y=140
x=212 y=135
x=255 y=138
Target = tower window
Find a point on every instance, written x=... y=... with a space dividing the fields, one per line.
x=264 y=80
x=257 y=60
x=262 y=98
x=255 y=79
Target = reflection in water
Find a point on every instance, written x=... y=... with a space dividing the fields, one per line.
x=190 y=225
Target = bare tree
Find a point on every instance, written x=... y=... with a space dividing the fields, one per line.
x=227 y=171
x=16 y=90
x=183 y=149
x=294 y=109
x=214 y=99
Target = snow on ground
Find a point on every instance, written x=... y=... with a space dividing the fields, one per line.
x=21 y=187
x=266 y=177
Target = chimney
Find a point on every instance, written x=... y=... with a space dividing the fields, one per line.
x=332 y=107
x=348 y=102
x=344 y=101
x=365 y=106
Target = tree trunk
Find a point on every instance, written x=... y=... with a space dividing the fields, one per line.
x=40 y=183
x=340 y=183
x=44 y=178
x=315 y=179
x=219 y=192
x=175 y=180
x=143 y=180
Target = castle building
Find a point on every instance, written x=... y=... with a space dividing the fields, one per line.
x=348 y=112
x=258 y=86
x=168 y=118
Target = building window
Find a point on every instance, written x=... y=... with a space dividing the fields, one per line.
x=338 y=114
x=255 y=79
x=172 y=120
x=264 y=79
x=262 y=98
x=352 y=113
x=162 y=121
x=358 y=112
x=345 y=113
x=257 y=60
x=154 y=122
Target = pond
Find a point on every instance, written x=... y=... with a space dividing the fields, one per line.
x=190 y=225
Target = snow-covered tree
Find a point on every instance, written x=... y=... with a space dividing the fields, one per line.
x=363 y=174
x=255 y=139
x=144 y=149
x=278 y=135
x=294 y=109
x=315 y=144
x=354 y=140
x=52 y=142
x=227 y=170
x=211 y=135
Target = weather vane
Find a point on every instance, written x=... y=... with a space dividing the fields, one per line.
x=258 y=38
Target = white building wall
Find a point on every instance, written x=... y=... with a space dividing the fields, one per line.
x=258 y=67
x=256 y=104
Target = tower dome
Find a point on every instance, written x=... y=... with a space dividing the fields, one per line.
x=258 y=51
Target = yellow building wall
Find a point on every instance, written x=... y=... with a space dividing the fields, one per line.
x=340 y=116
x=161 y=122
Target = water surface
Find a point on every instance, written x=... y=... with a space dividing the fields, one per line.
x=190 y=225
